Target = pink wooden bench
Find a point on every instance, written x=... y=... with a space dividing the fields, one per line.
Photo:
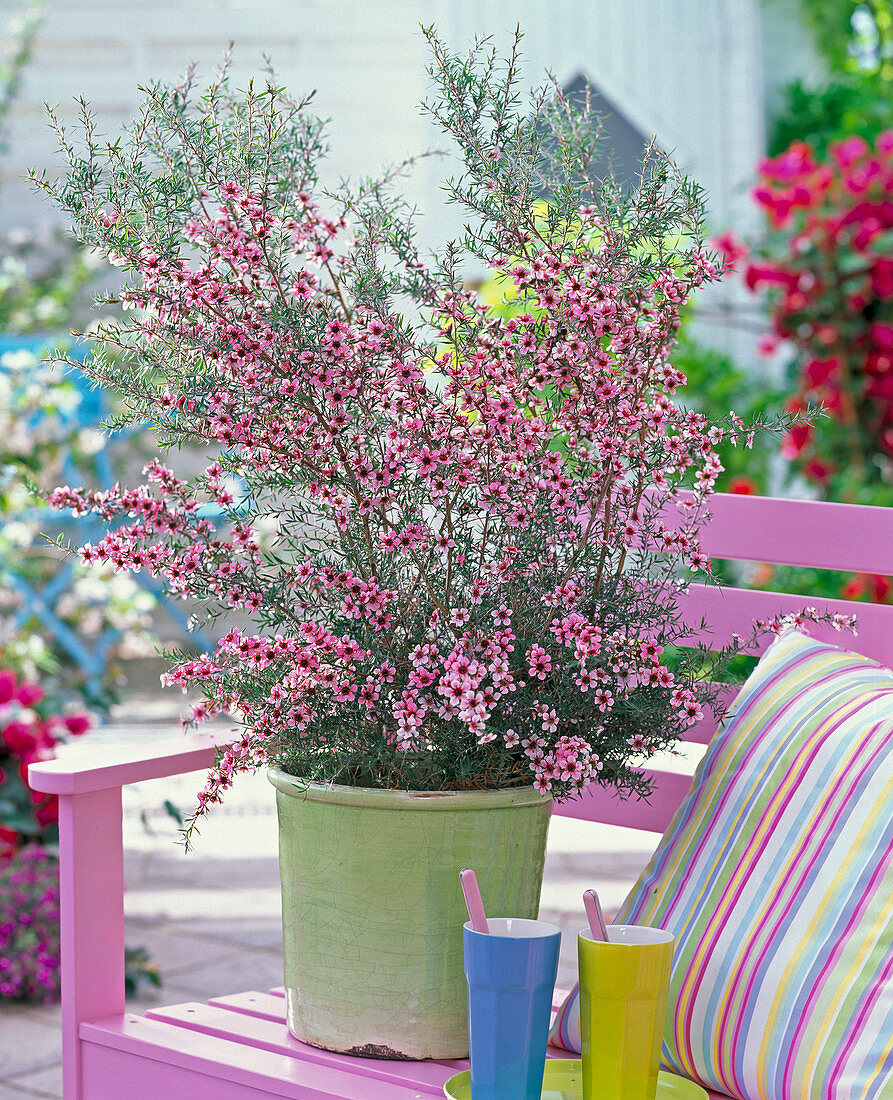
x=238 y=1047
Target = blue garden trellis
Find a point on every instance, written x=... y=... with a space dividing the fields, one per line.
x=40 y=602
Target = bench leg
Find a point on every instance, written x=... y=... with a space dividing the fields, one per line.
x=91 y=866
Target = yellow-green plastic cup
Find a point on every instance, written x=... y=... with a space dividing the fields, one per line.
x=623 y=1009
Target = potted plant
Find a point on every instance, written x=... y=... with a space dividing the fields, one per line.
x=460 y=538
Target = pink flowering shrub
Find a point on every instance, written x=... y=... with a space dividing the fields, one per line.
x=480 y=535
x=29 y=927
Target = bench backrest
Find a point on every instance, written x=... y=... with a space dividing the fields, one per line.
x=811 y=534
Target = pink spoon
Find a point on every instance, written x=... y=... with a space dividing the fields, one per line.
x=594 y=913
x=473 y=902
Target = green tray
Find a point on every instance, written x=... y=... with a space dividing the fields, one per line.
x=563 y=1080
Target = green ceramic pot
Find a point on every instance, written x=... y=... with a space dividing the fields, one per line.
x=372 y=909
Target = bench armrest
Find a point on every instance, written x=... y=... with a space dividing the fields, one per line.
x=88 y=779
x=87 y=767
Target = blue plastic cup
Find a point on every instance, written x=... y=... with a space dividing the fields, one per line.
x=511 y=978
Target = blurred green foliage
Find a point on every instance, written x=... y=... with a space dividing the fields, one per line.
x=716 y=386
x=855 y=40
x=845 y=106
x=852 y=35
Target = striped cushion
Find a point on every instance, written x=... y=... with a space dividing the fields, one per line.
x=775 y=877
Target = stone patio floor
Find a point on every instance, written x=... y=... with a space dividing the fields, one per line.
x=210 y=919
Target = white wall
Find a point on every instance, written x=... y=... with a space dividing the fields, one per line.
x=365 y=59
x=686 y=70
x=690 y=71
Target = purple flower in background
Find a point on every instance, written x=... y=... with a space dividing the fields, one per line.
x=29 y=927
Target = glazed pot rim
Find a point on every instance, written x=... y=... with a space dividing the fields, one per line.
x=296 y=787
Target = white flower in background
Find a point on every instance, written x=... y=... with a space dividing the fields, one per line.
x=66 y=398
x=127 y=606
x=47 y=309
x=267 y=526
x=18 y=535
x=39 y=400
x=20 y=236
x=19 y=441
x=12 y=271
x=89 y=588
x=18 y=499
x=92 y=622
x=29 y=651
x=19 y=360
x=90 y=441
x=34 y=393
x=136 y=643
x=93 y=258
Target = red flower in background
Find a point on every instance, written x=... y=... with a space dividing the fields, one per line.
x=850 y=150
x=817 y=470
x=27 y=721
x=8 y=685
x=870 y=586
x=795 y=440
x=882 y=334
x=19 y=738
x=818 y=372
x=9 y=840
x=881 y=588
x=762 y=275
x=827 y=270
x=882 y=277
x=29 y=694
x=76 y=723
x=732 y=248
x=47 y=813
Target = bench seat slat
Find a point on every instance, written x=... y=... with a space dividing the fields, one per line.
x=168 y=1053
x=730 y=610
x=598 y=804
x=274 y=1036
x=108 y=1073
x=817 y=534
x=216 y=1021
x=266 y=1006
